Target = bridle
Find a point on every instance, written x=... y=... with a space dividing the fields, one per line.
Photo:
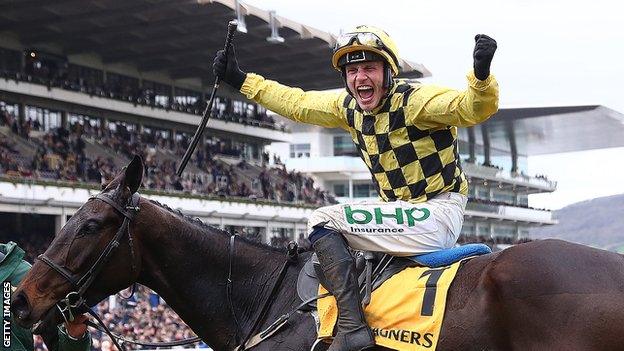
x=80 y=283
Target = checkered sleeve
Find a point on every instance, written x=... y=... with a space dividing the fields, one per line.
x=433 y=106
x=314 y=107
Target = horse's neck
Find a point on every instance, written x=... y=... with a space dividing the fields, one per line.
x=188 y=266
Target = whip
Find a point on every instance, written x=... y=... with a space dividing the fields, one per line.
x=206 y=116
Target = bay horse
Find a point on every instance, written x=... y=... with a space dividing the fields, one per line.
x=543 y=295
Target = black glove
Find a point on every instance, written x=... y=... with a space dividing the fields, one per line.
x=483 y=54
x=231 y=74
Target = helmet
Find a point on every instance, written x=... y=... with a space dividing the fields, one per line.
x=366 y=43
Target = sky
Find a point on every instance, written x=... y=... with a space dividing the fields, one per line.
x=549 y=53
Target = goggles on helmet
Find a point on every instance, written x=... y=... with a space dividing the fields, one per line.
x=366 y=38
x=362 y=38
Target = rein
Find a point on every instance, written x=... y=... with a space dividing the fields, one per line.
x=292 y=256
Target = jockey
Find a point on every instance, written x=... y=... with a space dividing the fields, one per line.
x=406 y=133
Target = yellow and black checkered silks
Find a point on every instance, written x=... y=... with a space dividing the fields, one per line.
x=409 y=143
x=406 y=162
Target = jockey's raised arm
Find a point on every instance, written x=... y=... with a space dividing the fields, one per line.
x=406 y=134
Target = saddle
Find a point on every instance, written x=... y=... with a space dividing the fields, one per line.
x=375 y=268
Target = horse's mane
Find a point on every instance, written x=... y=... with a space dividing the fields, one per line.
x=212 y=229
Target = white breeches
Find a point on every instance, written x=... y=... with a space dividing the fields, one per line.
x=399 y=228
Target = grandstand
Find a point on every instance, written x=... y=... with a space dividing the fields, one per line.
x=85 y=84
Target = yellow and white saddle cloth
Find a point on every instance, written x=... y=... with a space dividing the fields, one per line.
x=405 y=312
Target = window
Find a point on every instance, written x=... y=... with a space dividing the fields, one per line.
x=299 y=150
x=81 y=76
x=504 y=196
x=152 y=135
x=468 y=228
x=364 y=190
x=122 y=87
x=523 y=200
x=183 y=139
x=483 y=229
x=504 y=230
x=344 y=146
x=186 y=97
x=10 y=108
x=482 y=193
x=47 y=119
x=156 y=94
x=341 y=190
x=523 y=232
x=124 y=130
x=84 y=120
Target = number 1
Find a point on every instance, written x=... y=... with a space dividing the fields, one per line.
x=430 y=290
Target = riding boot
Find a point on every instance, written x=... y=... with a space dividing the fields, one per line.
x=340 y=279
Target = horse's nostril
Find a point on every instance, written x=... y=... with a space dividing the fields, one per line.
x=20 y=306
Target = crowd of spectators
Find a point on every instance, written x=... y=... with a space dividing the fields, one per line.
x=61 y=154
x=503 y=203
x=145 y=317
x=57 y=73
x=514 y=173
x=304 y=188
x=541 y=176
x=9 y=163
x=22 y=129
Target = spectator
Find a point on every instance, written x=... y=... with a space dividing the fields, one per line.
x=71 y=337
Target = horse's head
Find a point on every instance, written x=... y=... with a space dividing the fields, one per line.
x=77 y=263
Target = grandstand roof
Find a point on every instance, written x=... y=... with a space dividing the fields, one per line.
x=540 y=130
x=178 y=37
x=555 y=129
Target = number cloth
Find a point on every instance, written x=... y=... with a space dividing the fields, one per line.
x=405 y=312
x=409 y=142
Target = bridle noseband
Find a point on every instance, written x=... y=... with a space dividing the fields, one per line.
x=80 y=283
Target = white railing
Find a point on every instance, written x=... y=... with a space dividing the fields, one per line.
x=19 y=197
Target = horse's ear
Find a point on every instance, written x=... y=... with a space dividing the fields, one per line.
x=134 y=174
x=103 y=181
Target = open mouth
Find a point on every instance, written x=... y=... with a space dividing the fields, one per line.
x=365 y=93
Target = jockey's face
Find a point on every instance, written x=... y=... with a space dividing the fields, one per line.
x=365 y=82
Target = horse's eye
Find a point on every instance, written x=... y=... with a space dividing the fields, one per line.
x=91 y=227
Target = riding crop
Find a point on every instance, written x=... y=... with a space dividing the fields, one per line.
x=206 y=116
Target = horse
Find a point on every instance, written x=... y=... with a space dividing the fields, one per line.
x=542 y=295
